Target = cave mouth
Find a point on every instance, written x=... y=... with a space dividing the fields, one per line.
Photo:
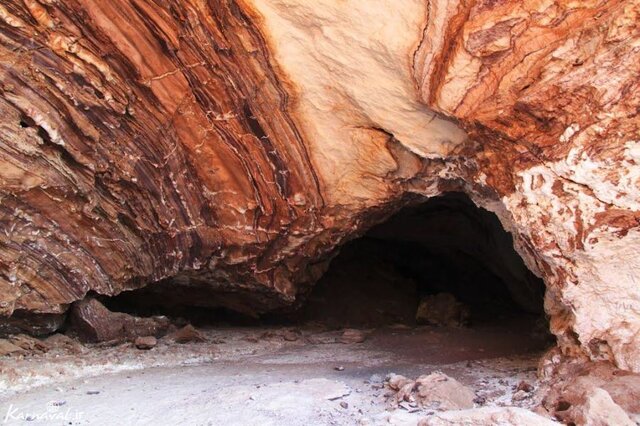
x=440 y=262
x=444 y=255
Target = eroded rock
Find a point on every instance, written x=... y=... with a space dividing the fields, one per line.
x=585 y=393
x=598 y=409
x=435 y=390
x=8 y=348
x=145 y=342
x=484 y=416
x=351 y=335
x=92 y=322
x=64 y=343
x=186 y=334
x=33 y=324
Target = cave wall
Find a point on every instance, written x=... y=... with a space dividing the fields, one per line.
x=226 y=148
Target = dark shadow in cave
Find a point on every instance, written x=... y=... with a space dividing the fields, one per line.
x=444 y=245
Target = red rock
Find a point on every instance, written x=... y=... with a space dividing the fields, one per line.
x=92 y=322
x=145 y=342
x=186 y=334
x=125 y=160
x=8 y=348
x=352 y=336
x=290 y=335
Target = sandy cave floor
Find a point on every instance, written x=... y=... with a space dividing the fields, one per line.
x=253 y=376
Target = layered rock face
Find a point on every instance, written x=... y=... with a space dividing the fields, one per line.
x=227 y=148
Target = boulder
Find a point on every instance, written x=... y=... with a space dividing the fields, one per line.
x=145 y=342
x=442 y=309
x=507 y=416
x=93 y=322
x=435 y=390
x=186 y=334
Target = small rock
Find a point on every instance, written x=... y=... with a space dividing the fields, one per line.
x=339 y=368
x=442 y=309
x=29 y=344
x=397 y=382
x=524 y=386
x=93 y=392
x=352 y=336
x=269 y=334
x=520 y=395
x=62 y=342
x=145 y=342
x=8 y=348
x=435 y=390
x=480 y=400
x=290 y=336
x=344 y=405
x=186 y=334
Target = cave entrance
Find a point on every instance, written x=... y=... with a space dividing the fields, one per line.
x=443 y=263
x=442 y=266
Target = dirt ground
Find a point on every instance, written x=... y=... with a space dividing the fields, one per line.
x=263 y=376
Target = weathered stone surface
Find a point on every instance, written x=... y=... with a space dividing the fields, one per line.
x=92 y=322
x=8 y=348
x=435 y=390
x=226 y=148
x=31 y=323
x=488 y=416
x=598 y=409
x=186 y=334
x=63 y=343
x=351 y=335
x=591 y=393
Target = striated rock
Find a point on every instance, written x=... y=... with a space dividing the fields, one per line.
x=488 y=416
x=442 y=309
x=92 y=322
x=223 y=150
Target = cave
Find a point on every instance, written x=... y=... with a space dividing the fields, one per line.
x=333 y=208
x=445 y=245
x=441 y=263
